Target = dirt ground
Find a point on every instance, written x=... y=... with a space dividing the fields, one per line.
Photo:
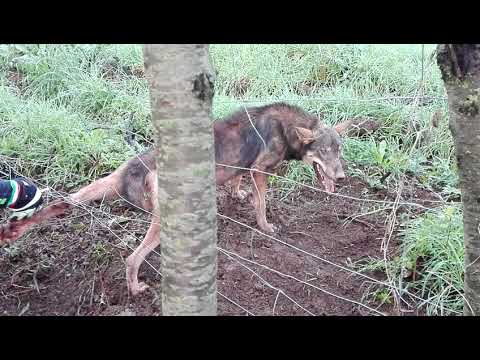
x=76 y=265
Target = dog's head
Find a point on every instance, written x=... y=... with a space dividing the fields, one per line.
x=322 y=150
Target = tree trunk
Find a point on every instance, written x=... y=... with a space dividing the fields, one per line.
x=460 y=68
x=181 y=90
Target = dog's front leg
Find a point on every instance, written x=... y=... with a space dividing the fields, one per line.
x=259 y=187
x=149 y=243
x=236 y=192
x=266 y=162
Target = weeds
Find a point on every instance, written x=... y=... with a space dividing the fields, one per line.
x=430 y=261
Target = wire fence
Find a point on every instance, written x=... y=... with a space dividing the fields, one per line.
x=335 y=99
x=249 y=265
x=95 y=212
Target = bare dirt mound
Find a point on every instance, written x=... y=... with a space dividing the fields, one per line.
x=75 y=265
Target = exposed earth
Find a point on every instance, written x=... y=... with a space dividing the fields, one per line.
x=76 y=265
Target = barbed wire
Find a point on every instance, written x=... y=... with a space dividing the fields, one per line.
x=311 y=188
x=416 y=98
x=329 y=193
x=323 y=99
x=236 y=304
x=317 y=257
x=90 y=210
x=301 y=281
x=279 y=291
x=66 y=198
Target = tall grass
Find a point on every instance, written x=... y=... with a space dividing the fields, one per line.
x=430 y=261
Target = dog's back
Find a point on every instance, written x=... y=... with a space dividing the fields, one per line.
x=238 y=143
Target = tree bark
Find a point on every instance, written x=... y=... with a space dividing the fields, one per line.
x=460 y=68
x=181 y=84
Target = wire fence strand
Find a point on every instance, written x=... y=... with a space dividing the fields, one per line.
x=334 y=99
x=292 y=246
x=413 y=100
x=302 y=282
x=378 y=282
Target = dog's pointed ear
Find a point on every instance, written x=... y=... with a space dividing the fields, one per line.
x=306 y=136
x=343 y=126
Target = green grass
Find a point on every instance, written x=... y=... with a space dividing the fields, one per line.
x=65 y=110
x=430 y=262
x=59 y=147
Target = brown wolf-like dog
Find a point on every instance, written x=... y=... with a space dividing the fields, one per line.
x=281 y=132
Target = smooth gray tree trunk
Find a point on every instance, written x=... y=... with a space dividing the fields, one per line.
x=460 y=68
x=181 y=84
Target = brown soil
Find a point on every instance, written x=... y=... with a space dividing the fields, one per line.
x=75 y=265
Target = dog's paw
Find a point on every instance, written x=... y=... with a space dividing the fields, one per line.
x=269 y=228
x=138 y=289
x=9 y=232
x=241 y=194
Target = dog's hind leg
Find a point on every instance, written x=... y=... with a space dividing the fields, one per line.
x=106 y=188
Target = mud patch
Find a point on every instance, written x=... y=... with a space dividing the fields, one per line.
x=76 y=265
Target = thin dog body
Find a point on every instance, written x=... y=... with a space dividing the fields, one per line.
x=280 y=132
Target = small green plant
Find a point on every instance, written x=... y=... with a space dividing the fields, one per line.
x=101 y=253
x=13 y=251
x=383 y=296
